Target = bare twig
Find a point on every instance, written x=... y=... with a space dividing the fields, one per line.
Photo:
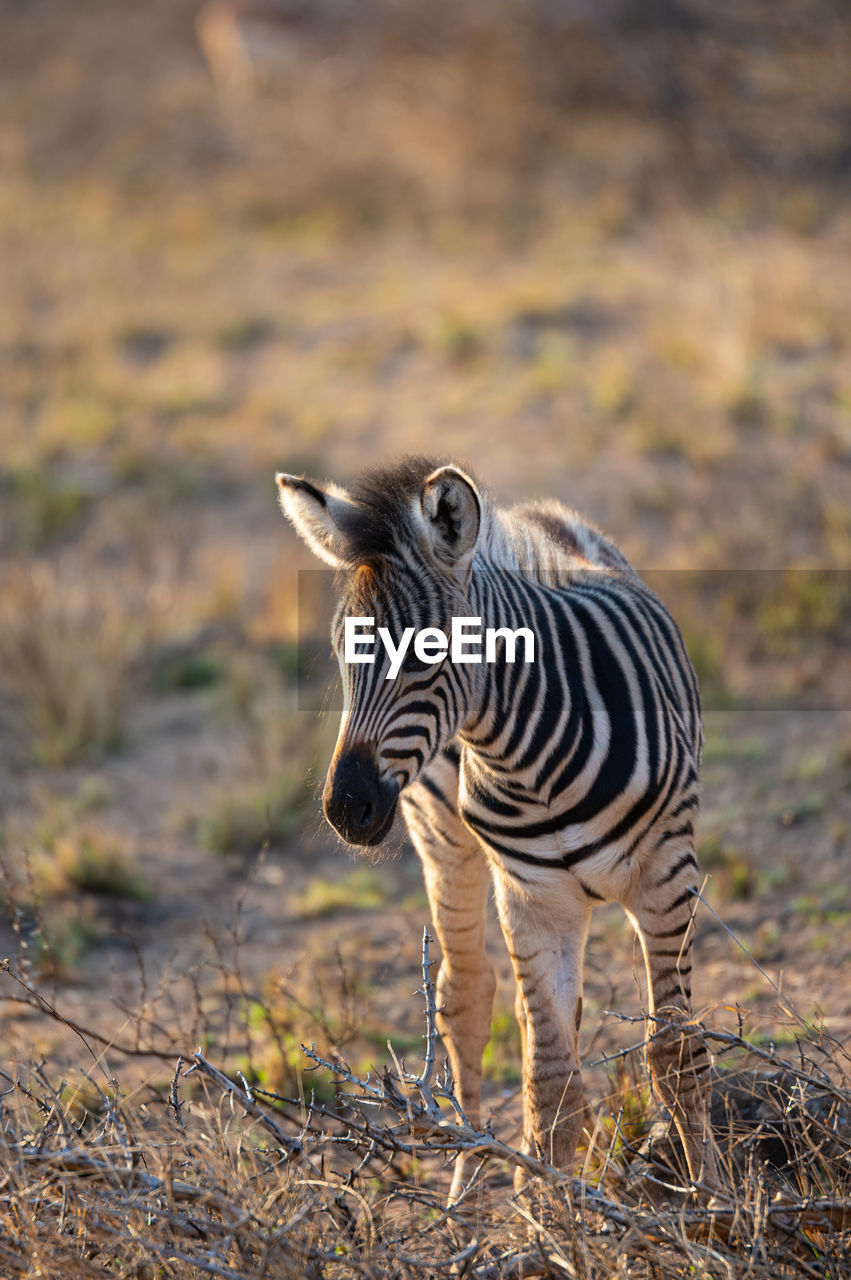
x=173 y=1099
x=36 y=1000
x=423 y=1081
x=292 y=1147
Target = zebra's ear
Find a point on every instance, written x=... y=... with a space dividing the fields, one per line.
x=316 y=514
x=453 y=515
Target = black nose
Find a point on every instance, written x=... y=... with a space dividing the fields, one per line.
x=357 y=802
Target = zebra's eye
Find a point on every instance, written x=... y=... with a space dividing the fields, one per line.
x=412 y=664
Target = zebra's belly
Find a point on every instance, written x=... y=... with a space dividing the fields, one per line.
x=608 y=874
x=536 y=844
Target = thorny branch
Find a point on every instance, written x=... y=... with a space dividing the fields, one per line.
x=423 y=1080
x=296 y=1217
x=243 y=1096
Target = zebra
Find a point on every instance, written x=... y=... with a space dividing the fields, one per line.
x=566 y=783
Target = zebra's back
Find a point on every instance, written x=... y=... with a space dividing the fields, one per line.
x=571 y=535
x=600 y=745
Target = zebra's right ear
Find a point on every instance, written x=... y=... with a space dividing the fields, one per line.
x=316 y=514
x=452 y=512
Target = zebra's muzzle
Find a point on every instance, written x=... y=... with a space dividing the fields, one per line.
x=359 y=804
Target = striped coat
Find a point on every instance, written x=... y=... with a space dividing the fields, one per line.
x=565 y=782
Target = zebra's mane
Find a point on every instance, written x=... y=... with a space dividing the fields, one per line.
x=543 y=537
x=379 y=519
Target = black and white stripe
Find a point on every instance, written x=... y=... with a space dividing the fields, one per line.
x=576 y=774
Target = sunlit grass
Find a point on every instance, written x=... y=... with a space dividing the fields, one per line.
x=67 y=653
x=362 y=889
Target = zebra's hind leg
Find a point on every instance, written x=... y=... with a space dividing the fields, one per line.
x=677 y=1055
x=546 y=941
x=457 y=880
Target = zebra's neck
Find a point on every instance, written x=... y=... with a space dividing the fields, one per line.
x=505 y=598
x=505 y=544
x=516 y=544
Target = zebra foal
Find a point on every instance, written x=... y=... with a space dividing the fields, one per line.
x=568 y=781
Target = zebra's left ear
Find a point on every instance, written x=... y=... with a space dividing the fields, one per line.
x=453 y=515
x=317 y=514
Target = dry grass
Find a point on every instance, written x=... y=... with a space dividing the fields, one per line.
x=211 y=1175
x=275 y=799
x=57 y=882
x=67 y=648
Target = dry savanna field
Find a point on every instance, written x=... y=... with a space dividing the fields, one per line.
x=596 y=253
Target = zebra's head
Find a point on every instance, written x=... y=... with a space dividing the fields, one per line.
x=403 y=541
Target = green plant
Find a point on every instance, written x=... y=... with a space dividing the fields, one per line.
x=742 y=879
x=711 y=852
x=97 y=862
x=323 y=1005
x=721 y=747
x=189 y=669
x=242 y=821
x=734 y=874
x=362 y=889
x=72 y=851
x=64 y=933
x=45 y=507
x=706 y=650
x=501 y=1060
x=800 y=604
x=93 y=792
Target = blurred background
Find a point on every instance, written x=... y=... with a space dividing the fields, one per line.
x=598 y=251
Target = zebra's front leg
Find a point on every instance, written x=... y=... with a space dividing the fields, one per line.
x=676 y=1054
x=457 y=880
x=546 y=937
